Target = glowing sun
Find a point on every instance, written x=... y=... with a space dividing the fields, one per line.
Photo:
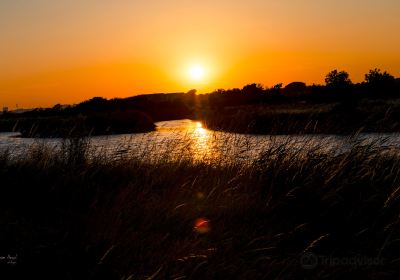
x=196 y=72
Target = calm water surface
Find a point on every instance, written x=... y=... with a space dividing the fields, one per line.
x=181 y=139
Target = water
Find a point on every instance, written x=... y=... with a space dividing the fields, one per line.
x=182 y=139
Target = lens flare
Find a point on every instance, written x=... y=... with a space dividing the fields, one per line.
x=202 y=225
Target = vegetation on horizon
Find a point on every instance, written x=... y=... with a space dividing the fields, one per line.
x=253 y=109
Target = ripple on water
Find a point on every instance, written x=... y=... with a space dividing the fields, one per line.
x=180 y=139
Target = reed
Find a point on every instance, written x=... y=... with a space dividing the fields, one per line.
x=75 y=213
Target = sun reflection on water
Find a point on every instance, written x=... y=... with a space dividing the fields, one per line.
x=201 y=142
x=191 y=138
x=199 y=125
x=188 y=139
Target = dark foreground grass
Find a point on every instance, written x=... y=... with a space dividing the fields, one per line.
x=68 y=214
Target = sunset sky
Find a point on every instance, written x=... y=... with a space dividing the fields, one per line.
x=66 y=51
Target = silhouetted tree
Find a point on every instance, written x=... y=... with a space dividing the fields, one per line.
x=276 y=89
x=219 y=91
x=192 y=92
x=57 y=107
x=296 y=86
x=253 y=88
x=377 y=79
x=337 y=79
x=277 y=86
x=94 y=104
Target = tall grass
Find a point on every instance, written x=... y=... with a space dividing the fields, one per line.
x=70 y=213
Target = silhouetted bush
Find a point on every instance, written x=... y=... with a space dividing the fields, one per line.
x=377 y=79
x=295 y=88
x=337 y=80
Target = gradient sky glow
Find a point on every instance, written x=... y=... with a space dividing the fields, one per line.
x=66 y=51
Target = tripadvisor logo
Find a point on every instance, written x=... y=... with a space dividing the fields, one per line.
x=310 y=261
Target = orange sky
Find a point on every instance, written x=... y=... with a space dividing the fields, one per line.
x=67 y=51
